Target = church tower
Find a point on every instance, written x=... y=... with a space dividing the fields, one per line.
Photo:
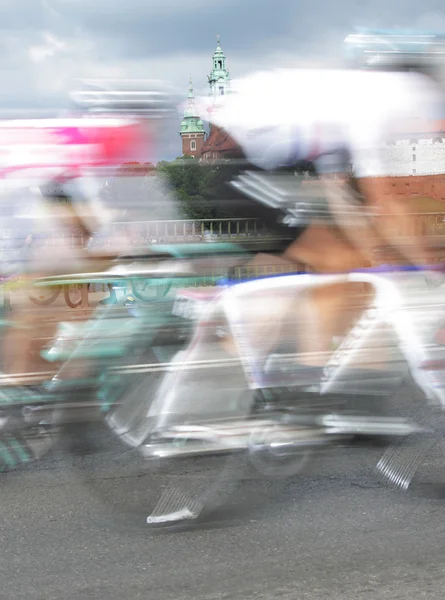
x=219 y=78
x=218 y=145
x=192 y=128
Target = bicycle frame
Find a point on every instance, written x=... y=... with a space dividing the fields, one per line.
x=401 y=301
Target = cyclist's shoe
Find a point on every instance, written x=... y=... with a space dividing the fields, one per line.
x=109 y=300
x=22 y=442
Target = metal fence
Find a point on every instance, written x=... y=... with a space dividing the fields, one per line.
x=170 y=231
x=144 y=233
x=191 y=230
x=236 y=230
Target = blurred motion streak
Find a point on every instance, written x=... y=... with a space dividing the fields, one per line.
x=216 y=316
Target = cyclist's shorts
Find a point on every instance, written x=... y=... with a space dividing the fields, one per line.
x=226 y=202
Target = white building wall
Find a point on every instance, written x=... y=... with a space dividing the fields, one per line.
x=425 y=156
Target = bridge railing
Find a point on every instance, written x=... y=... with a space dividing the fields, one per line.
x=191 y=229
x=243 y=228
x=144 y=233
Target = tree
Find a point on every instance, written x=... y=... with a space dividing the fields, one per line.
x=186 y=177
x=195 y=190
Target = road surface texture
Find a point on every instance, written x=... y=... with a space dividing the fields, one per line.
x=336 y=533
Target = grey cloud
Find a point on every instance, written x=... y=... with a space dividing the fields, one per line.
x=22 y=15
x=175 y=37
x=136 y=28
x=170 y=27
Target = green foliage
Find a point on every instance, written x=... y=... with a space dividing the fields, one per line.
x=203 y=189
x=189 y=180
x=200 y=190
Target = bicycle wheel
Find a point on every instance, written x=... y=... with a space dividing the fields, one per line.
x=150 y=290
x=45 y=295
x=73 y=295
x=134 y=491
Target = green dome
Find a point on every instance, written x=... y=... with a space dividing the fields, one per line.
x=192 y=125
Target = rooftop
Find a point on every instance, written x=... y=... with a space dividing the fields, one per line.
x=219 y=141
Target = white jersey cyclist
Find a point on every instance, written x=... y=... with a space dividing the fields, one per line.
x=335 y=119
x=285 y=116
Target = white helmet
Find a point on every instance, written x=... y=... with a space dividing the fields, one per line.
x=377 y=49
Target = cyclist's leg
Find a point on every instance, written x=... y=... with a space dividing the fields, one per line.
x=328 y=311
x=323 y=250
x=25 y=337
x=320 y=314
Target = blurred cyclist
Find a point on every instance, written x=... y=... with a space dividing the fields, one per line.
x=109 y=129
x=67 y=219
x=338 y=122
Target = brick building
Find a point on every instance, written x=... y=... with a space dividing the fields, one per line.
x=192 y=128
x=416 y=160
x=195 y=142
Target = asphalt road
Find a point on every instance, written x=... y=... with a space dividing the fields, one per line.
x=337 y=534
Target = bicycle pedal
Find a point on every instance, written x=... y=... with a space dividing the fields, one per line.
x=401 y=460
x=174 y=506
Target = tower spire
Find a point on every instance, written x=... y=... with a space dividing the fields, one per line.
x=192 y=128
x=219 y=78
x=190 y=108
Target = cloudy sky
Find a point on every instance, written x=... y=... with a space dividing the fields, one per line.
x=46 y=44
